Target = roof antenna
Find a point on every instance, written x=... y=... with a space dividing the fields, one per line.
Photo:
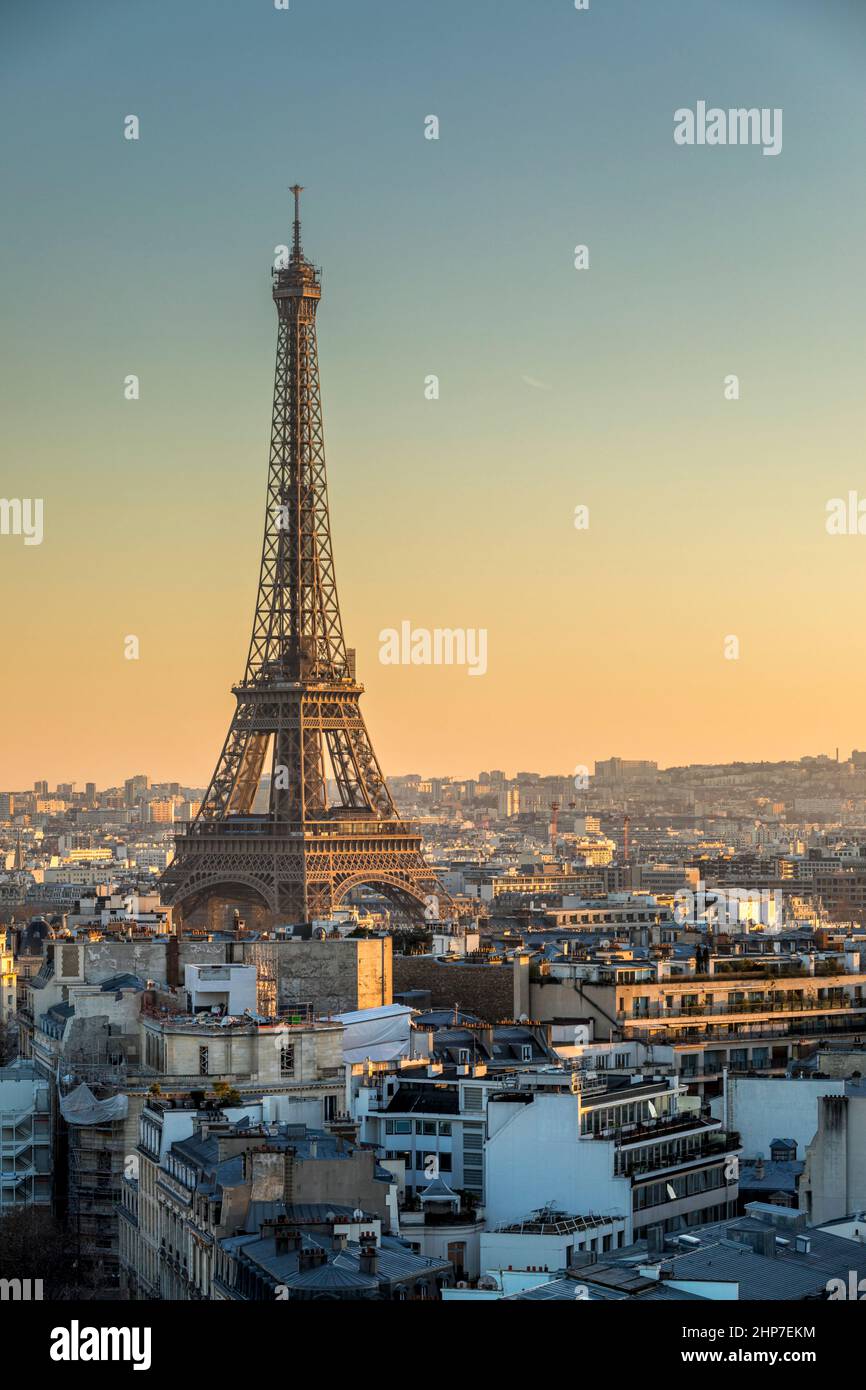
x=297 y=189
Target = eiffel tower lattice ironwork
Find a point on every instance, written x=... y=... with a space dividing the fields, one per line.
x=266 y=830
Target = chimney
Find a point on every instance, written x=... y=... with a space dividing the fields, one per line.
x=311 y=1257
x=655 y=1239
x=760 y=1171
x=368 y=1261
x=761 y=1241
x=286 y=1238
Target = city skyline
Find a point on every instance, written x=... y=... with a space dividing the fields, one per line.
x=825 y=757
x=603 y=389
x=433 y=754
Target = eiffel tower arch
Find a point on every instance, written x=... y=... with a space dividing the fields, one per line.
x=268 y=834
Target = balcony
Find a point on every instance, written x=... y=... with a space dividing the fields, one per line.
x=758 y=1032
x=734 y=1008
x=630 y=1163
x=656 y=1130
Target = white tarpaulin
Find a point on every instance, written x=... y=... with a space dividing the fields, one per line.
x=81 y=1107
x=380 y=1034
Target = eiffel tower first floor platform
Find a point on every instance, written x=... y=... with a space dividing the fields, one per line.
x=293 y=873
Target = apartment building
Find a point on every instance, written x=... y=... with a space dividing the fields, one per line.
x=202 y=1176
x=428 y=1116
x=106 y=1046
x=630 y=1145
x=750 y=1012
x=424 y=1122
x=8 y=988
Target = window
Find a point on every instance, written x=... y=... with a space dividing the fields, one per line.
x=444 y=1126
x=287 y=1060
x=203 y=1063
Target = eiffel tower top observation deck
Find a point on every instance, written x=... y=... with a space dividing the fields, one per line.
x=267 y=830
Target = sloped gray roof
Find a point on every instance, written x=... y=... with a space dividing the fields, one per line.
x=331 y=1276
x=780 y=1175
x=564 y=1290
x=439 y=1191
x=123 y=981
x=788 y=1274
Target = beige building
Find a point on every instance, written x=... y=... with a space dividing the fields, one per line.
x=750 y=1013
x=833 y=1183
x=105 y=1045
x=200 y=1177
x=180 y=1049
x=8 y=989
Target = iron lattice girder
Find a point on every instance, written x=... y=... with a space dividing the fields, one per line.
x=286 y=865
x=298 y=706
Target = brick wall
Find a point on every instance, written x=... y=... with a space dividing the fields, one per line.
x=484 y=990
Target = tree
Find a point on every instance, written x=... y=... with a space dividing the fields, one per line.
x=33 y=1245
x=8 y=1044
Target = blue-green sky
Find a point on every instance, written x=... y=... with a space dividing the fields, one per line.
x=451 y=257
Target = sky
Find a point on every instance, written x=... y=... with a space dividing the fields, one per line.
x=602 y=387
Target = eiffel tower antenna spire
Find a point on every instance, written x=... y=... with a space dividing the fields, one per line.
x=297 y=253
x=268 y=832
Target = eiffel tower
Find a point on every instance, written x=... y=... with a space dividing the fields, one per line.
x=267 y=834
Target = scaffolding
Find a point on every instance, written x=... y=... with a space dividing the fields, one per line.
x=263 y=956
x=92 y=1077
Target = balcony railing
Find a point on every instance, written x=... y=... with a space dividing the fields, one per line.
x=758 y=1032
x=767 y=1005
x=629 y=1163
x=658 y=1130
